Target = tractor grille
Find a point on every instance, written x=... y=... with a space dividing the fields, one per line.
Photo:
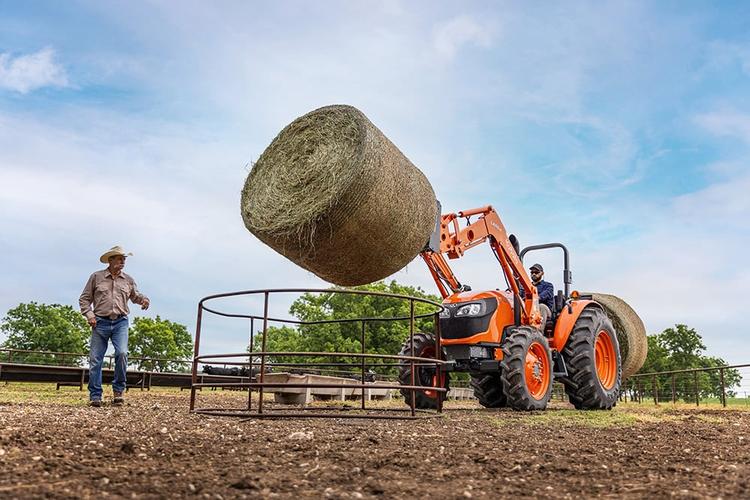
x=466 y=326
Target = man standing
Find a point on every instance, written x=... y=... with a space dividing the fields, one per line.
x=108 y=292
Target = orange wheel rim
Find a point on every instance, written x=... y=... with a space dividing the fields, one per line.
x=429 y=352
x=537 y=371
x=436 y=382
x=606 y=359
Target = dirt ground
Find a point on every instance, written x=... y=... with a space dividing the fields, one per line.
x=154 y=448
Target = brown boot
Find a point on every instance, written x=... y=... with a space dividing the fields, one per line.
x=118 y=400
x=96 y=403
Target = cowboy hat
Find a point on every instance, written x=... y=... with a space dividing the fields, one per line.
x=116 y=250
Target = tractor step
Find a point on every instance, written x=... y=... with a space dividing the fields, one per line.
x=472 y=365
x=559 y=369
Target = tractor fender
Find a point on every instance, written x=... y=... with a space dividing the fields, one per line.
x=567 y=319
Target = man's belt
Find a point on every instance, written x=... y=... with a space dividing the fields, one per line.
x=113 y=317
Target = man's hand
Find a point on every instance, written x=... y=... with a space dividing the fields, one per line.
x=145 y=303
x=92 y=322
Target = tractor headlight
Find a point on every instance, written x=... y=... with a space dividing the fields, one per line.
x=445 y=313
x=473 y=309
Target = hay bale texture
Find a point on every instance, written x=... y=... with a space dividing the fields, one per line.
x=332 y=194
x=631 y=333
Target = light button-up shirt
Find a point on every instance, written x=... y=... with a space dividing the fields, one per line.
x=108 y=295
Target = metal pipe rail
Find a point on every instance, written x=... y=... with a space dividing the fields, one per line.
x=260 y=384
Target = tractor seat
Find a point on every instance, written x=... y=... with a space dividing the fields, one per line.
x=559 y=305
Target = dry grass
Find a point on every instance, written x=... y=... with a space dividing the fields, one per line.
x=39 y=393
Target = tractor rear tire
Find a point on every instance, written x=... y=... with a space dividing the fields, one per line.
x=488 y=389
x=424 y=347
x=592 y=356
x=526 y=369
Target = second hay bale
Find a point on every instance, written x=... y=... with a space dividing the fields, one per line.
x=631 y=333
x=334 y=195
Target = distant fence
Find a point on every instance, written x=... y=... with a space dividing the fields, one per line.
x=77 y=359
x=721 y=384
x=57 y=358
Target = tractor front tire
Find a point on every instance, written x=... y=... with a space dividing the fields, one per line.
x=424 y=347
x=488 y=389
x=592 y=356
x=526 y=369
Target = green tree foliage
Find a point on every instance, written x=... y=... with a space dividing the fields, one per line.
x=165 y=342
x=682 y=348
x=381 y=337
x=46 y=327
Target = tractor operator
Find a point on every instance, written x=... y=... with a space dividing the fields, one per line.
x=545 y=290
x=108 y=291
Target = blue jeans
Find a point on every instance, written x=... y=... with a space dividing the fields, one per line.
x=107 y=329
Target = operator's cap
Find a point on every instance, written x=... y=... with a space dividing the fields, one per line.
x=538 y=267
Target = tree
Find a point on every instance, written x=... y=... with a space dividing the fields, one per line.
x=657 y=359
x=681 y=348
x=381 y=337
x=712 y=386
x=165 y=344
x=684 y=346
x=46 y=327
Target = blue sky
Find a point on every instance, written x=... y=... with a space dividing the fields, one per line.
x=619 y=129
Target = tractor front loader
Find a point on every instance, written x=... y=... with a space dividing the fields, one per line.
x=511 y=350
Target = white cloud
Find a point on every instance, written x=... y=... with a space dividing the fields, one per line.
x=723 y=170
x=686 y=266
x=722 y=54
x=727 y=123
x=450 y=36
x=30 y=72
x=727 y=202
x=593 y=172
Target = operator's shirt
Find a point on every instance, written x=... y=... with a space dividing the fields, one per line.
x=109 y=295
x=546 y=293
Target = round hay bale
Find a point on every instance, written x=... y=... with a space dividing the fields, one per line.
x=631 y=333
x=332 y=194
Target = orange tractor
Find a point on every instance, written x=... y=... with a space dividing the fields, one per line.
x=512 y=349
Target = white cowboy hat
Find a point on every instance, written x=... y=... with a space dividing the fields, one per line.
x=116 y=250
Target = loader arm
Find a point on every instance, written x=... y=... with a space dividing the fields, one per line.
x=454 y=242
